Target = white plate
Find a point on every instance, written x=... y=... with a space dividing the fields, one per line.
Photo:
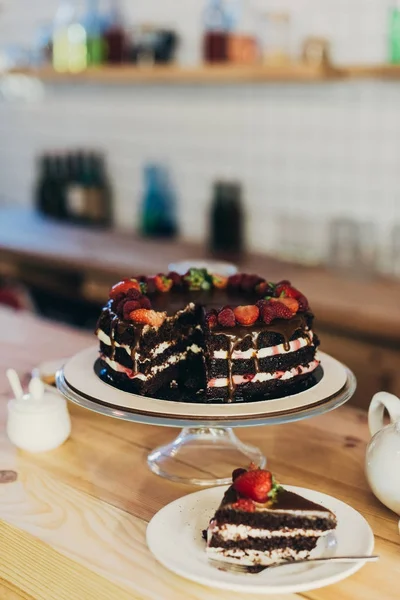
x=79 y=376
x=174 y=536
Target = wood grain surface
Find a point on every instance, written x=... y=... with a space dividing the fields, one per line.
x=73 y=523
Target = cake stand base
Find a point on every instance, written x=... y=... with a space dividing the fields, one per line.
x=216 y=452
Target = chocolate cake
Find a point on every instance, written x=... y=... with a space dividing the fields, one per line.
x=259 y=522
x=232 y=339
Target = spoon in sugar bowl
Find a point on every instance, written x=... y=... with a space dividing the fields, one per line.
x=37 y=421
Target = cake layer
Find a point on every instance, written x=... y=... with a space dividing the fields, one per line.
x=297 y=543
x=256 y=557
x=231 y=531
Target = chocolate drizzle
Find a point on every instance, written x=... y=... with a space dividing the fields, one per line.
x=284 y=327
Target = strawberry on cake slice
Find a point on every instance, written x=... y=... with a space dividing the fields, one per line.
x=259 y=522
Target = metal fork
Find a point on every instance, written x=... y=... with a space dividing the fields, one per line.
x=237 y=568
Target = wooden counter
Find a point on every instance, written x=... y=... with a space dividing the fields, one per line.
x=73 y=524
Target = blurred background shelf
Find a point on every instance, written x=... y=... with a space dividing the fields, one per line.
x=215 y=74
x=222 y=74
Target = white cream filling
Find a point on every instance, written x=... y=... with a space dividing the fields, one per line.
x=115 y=366
x=242 y=532
x=261 y=377
x=159 y=349
x=255 y=557
x=294 y=345
x=156 y=369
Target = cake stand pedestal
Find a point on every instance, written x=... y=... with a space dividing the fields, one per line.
x=206 y=450
x=211 y=448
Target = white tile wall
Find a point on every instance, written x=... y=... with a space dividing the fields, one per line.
x=301 y=150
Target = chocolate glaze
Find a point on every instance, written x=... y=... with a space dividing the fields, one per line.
x=285 y=500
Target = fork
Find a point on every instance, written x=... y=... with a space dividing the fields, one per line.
x=237 y=568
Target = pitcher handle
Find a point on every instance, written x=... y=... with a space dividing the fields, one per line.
x=379 y=402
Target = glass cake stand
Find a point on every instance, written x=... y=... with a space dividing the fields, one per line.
x=206 y=449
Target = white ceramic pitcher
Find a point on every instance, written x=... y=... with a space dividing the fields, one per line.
x=382 y=464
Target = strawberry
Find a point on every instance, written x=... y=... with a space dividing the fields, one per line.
x=280 y=310
x=285 y=289
x=244 y=504
x=267 y=313
x=123 y=286
x=303 y=303
x=219 y=281
x=246 y=315
x=148 y=317
x=163 y=283
x=291 y=303
x=265 y=288
x=212 y=319
x=254 y=484
x=237 y=472
x=226 y=317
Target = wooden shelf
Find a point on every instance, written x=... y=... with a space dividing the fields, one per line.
x=213 y=74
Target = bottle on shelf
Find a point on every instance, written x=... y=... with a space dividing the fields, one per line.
x=216 y=25
x=227 y=220
x=114 y=34
x=93 y=25
x=394 y=33
x=99 y=209
x=158 y=218
x=75 y=193
x=69 y=40
x=243 y=47
x=50 y=188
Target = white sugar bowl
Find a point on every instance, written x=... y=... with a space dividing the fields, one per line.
x=38 y=424
x=382 y=464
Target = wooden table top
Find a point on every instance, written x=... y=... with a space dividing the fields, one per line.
x=73 y=524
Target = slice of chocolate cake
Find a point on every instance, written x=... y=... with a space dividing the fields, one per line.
x=259 y=522
x=227 y=339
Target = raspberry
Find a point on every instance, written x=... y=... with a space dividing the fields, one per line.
x=133 y=294
x=244 y=504
x=246 y=315
x=148 y=317
x=237 y=472
x=254 y=484
x=128 y=307
x=226 y=317
x=145 y=302
x=176 y=278
x=234 y=281
x=249 y=282
x=212 y=319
